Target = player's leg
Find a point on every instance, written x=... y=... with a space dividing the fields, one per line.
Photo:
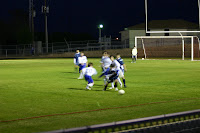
x=76 y=68
x=112 y=86
x=132 y=59
x=120 y=82
x=123 y=78
x=81 y=68
x=106 y=85
x=116 y=89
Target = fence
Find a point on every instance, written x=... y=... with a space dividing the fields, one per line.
x=59 y=48
x=183 y=122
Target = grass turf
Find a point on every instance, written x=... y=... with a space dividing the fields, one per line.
x=38 y=87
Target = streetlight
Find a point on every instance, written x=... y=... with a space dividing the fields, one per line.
x=100 y=27
x=45 y=10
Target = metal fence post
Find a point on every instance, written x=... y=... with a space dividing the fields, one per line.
x=6 y=53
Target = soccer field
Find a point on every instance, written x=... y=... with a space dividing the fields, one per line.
x=45 y=87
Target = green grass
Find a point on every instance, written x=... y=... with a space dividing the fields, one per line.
x=38 y=87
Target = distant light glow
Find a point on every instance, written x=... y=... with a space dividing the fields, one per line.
x=117 y=38
x=101 y=26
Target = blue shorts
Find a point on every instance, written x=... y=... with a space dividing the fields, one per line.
x=82 y=66
x=89 y=79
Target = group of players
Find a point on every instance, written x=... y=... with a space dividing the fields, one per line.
x=112 y=70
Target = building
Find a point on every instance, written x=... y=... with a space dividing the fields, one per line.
x=128 y=35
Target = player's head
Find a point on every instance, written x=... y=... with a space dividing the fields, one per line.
x=105 y=53
x=118 y=55
x=90 y=64
x=77 y=51
x=112 y=58
x=82 y=54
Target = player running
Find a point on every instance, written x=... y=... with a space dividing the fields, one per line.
x=76 y=64
x=134 y=55
x=112 y=74
x=88 y=72
x=117 y=65
x=82 y=64
x=104 y=55
x=122 y=67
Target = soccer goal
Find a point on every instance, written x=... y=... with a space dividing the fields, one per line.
x=168 y=47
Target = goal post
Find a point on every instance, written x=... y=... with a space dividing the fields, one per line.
x=168 y=46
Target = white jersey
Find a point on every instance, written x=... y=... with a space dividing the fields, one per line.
x=118 y=67
x=89 y=71
x=134 y=51
x=116 y=63
x=102 y=59
x=82 y=59
x=106 y=62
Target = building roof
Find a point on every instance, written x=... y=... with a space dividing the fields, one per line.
x=166 y=24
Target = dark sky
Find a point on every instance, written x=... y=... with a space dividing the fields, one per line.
x=80 y=16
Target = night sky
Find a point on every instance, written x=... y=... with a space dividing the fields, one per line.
x=83 y=16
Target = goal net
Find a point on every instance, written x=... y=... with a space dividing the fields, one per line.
x=169 y=47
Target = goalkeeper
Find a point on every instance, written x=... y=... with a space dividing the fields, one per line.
x=134 y=55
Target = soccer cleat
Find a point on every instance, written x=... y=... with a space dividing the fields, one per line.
x=110 y=88
x=125 y=86
x=116 y=89
x=80 y=78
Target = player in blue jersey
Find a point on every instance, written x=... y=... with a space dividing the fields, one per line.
x=122 y=67
x=112 y=74
x=88 y=72
x=76 y=63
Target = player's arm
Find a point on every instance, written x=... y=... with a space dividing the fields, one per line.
x=104 y=73
x=79 y=60
x=125 y=69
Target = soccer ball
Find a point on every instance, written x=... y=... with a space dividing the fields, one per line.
x=121 y=92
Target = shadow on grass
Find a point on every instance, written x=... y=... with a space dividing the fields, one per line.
x=88 y=90
x=70 y=72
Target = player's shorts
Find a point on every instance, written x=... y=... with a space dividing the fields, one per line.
x=104 y=68
x=82 y=66
x=89 y=79
x=121 y=74
x=112 y=78
x=133 y=56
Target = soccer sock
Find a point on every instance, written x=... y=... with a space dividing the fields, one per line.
x=115 y=85
x=124 y=81
x=112 y=84
x=105 y=87
x=90 y=85
x=119 y=81
x=104 y=81
x=81 y=75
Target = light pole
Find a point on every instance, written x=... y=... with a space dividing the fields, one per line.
x=45 y=10
x=100 y=27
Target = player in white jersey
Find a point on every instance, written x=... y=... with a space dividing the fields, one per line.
x=134 y=55
x=106 y=62
x=104 y=54
x=88 y=72
x=116 y=63
x=82 y=64
x=112 y=74
x=122 y=67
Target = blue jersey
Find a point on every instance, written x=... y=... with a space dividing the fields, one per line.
x=76 y=56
